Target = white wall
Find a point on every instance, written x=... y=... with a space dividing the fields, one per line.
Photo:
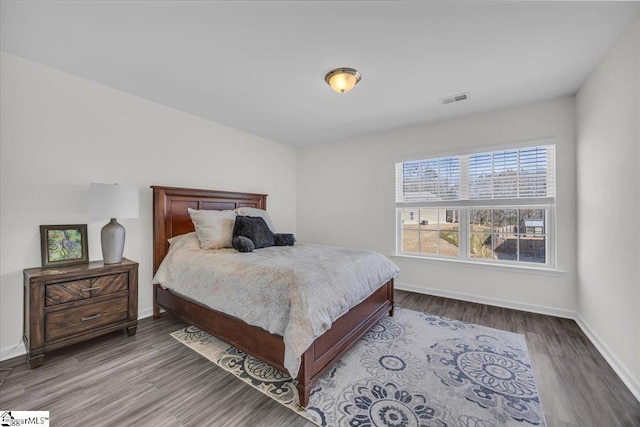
x=608 y=141
x=346 y=197
x=60 y=133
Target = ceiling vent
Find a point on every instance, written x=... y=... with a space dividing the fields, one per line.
x=454 y=98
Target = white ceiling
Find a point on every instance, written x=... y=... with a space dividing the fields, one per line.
x=259 y=66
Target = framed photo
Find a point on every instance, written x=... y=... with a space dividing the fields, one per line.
x=64 y=245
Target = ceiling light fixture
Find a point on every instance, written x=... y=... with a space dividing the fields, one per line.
x=342 y=79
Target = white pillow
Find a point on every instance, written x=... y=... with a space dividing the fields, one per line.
x=257 y=212
x=213 y=228
x=184 y=239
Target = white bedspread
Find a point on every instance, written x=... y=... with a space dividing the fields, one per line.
x=293 y=291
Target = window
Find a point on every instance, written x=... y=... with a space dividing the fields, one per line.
x=493 y=206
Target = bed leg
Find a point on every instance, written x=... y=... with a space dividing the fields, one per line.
x=156 y=308
x=303 y=380
x=390 y=295
x=303 y=394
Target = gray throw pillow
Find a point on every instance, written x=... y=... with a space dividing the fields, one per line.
x=243 y=244
x=284 y=239
x=255 y=229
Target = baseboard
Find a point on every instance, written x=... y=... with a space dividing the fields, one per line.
x=19 y=349
x=147 y=312
x=631 y=381
x=532 y=308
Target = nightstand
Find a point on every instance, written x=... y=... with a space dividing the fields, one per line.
x=66 y=305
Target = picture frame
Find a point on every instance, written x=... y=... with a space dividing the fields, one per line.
x=64 y=245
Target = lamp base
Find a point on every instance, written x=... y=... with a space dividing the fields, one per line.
x=112 y=242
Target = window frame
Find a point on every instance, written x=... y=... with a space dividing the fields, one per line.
x=464 y=207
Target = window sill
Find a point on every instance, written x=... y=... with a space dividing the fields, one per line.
x=545 y=271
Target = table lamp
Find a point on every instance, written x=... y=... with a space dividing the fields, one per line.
x=113 y=201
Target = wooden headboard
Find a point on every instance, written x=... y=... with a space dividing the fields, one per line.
x=171 y=218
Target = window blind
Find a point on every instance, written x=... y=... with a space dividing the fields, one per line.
x=517 y=173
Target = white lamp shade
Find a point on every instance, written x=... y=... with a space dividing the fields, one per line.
x=114 y=201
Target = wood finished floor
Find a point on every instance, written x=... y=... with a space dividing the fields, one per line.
x=152 y=380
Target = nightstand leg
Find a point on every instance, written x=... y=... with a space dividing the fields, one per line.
x=36 y=362
x=131 y=331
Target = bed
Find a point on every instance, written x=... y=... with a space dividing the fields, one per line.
x=171 y=219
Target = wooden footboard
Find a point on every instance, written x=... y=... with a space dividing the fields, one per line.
x=342 y=335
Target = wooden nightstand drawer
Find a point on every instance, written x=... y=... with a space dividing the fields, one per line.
x=61 y=293
x=64 y=292
x=63 y=323
x=111 y=284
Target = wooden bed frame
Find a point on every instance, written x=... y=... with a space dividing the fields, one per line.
x=170 y=218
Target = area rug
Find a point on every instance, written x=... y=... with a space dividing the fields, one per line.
x=410 y=370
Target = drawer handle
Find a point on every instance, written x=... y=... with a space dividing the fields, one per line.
x=95 y=316
x=95 y=288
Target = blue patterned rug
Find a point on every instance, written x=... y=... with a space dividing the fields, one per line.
x=410 y=370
